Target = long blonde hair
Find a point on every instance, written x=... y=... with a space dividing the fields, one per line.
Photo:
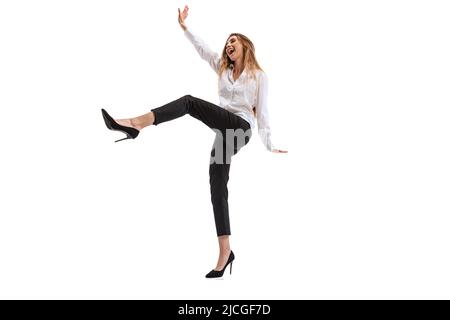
x=250 y=62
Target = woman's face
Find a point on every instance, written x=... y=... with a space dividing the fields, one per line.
x=234 y=48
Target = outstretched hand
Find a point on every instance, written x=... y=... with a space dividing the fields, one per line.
x=278 y=151
x=182 y=16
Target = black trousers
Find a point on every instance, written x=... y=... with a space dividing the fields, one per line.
x=232 y=133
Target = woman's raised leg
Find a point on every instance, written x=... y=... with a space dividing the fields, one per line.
x=213 y=116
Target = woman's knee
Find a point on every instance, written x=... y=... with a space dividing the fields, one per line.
x=186 y=101
x=187 y=97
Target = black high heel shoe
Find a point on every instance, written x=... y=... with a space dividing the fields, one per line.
x=217 y=274
x=113 y=125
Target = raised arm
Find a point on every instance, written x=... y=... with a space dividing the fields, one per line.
x=202 y=48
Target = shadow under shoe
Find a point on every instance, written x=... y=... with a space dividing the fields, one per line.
x=111 y=124
x=218 y=274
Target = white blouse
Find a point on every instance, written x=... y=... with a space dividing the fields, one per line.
x=242 y=95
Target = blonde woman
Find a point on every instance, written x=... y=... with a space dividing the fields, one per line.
x=243 y=101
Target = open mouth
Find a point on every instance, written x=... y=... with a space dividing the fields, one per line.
x=230 y=51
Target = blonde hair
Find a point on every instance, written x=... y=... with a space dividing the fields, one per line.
x=250 y=62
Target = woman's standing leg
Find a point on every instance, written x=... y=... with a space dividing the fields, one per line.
x=218 y=180
x=219 y=171
x=218 y=177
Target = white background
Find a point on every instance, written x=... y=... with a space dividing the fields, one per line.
x=358 y=208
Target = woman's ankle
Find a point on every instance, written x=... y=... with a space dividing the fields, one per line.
x=135 y=123
x=143 y=121
x=225 y=252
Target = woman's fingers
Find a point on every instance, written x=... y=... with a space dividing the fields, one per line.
x=183 y=15
x=279 y=151
x=180 y=19
x=185 y=12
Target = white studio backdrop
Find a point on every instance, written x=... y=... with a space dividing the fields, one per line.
x=358 y=208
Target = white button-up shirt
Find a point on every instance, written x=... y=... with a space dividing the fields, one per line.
x=242 y=95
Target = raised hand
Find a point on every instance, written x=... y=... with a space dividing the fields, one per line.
x=182 y=16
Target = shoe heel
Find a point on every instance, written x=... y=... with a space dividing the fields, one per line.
x=127 y=137
x=231 y=266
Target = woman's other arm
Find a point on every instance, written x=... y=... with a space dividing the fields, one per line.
x=262 y=114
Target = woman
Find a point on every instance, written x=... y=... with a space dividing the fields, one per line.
x=243 y=97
